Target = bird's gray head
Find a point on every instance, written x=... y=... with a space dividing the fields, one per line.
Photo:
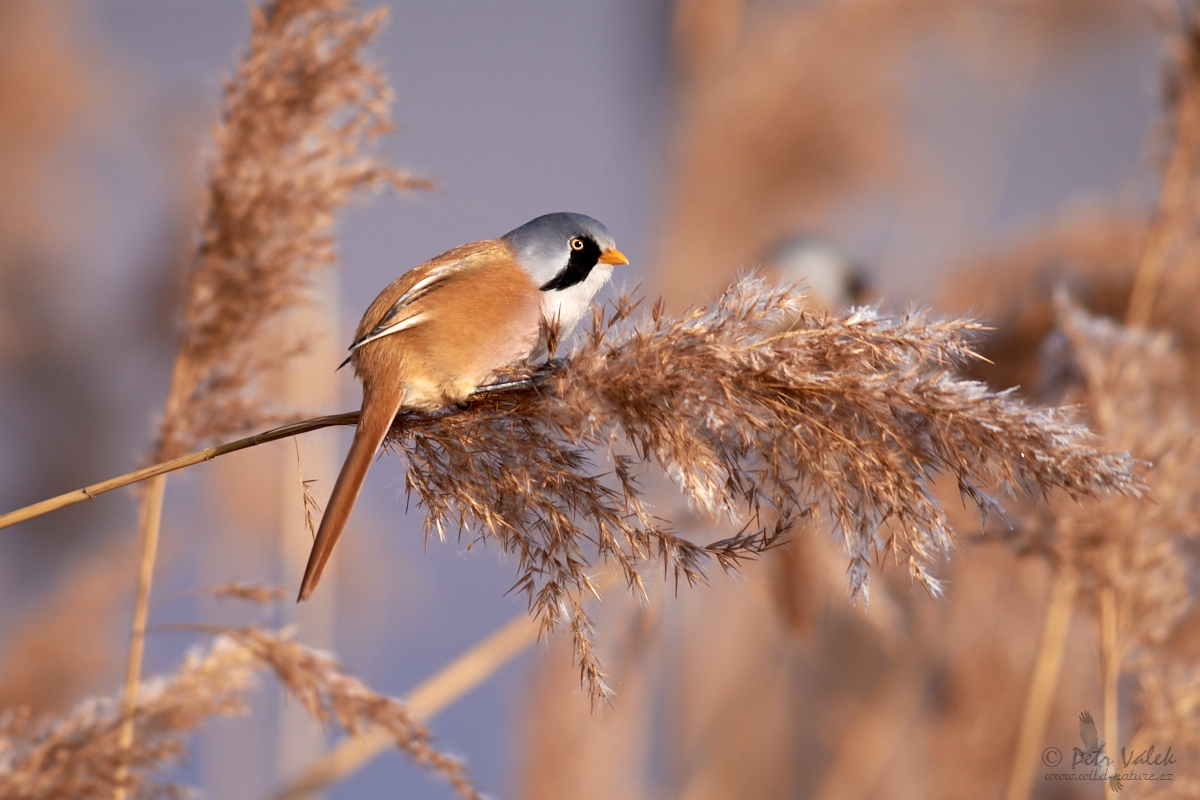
x=569 y=256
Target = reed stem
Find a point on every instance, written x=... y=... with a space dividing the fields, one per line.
x=151 y=523
x=1043 y=684
x=441 y=689
x=145 y=473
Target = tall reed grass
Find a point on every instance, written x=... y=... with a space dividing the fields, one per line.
x=824 y=455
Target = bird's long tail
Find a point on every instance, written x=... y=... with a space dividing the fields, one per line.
x=378 y=411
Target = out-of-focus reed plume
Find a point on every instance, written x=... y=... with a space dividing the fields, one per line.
x=80 y=754
x=1172 y=246
x=1134 y=388
x=1129 y=564
x=295 y=122
x=1092 y=256
x=785 y=113
x=704 y=34
x=799 y=113
x=64 y=649
x=786 y=110
x=1056 y=351
x=327 y=693
x=290 y=146
x=1131 y=559
x=49 y=92
x=761 y=410
x=42 y=89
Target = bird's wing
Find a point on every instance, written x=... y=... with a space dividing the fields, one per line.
x=1087 y=730
x=397 y=307
x=401 y=315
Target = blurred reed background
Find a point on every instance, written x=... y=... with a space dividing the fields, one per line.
x=1026 y=161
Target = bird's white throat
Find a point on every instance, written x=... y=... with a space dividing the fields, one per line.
x=569 y=305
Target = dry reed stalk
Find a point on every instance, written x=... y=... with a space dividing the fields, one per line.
x=1171 y=240
x=1130 y=553
x=1042 y=685
x=92 y=491
x=294 y=119
x=80 y=754
x=150 y=523
x=1110 y=663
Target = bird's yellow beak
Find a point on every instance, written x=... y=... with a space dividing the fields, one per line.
x=613 y=256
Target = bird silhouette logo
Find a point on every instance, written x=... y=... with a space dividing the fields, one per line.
x=1092 y=753
x=1091 y=739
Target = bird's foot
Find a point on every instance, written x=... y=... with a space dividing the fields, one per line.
x=539 y=375
x=551 y=366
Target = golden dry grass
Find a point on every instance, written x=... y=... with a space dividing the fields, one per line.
x=812 y=452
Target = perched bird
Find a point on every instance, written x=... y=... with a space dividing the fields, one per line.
x=444 y=328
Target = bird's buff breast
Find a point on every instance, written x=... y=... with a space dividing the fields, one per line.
x=441 y=361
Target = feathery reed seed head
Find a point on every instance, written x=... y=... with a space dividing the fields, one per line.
x=295 y=121
x=758 y=409
x=77 y=755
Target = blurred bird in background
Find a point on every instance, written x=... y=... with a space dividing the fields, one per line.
x=832 y=280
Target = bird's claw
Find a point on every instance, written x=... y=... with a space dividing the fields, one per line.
x=551 y=366
x=540 y=374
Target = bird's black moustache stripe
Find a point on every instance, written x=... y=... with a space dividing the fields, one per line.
x=577 y=269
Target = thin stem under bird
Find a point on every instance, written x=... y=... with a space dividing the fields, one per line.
x=92 y=491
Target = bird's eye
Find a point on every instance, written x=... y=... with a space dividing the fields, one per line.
x=577 y=243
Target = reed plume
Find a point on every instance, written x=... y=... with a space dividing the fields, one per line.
x=295 y=122
x=79 y=754
x=1131 y=557
x=846 y=419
